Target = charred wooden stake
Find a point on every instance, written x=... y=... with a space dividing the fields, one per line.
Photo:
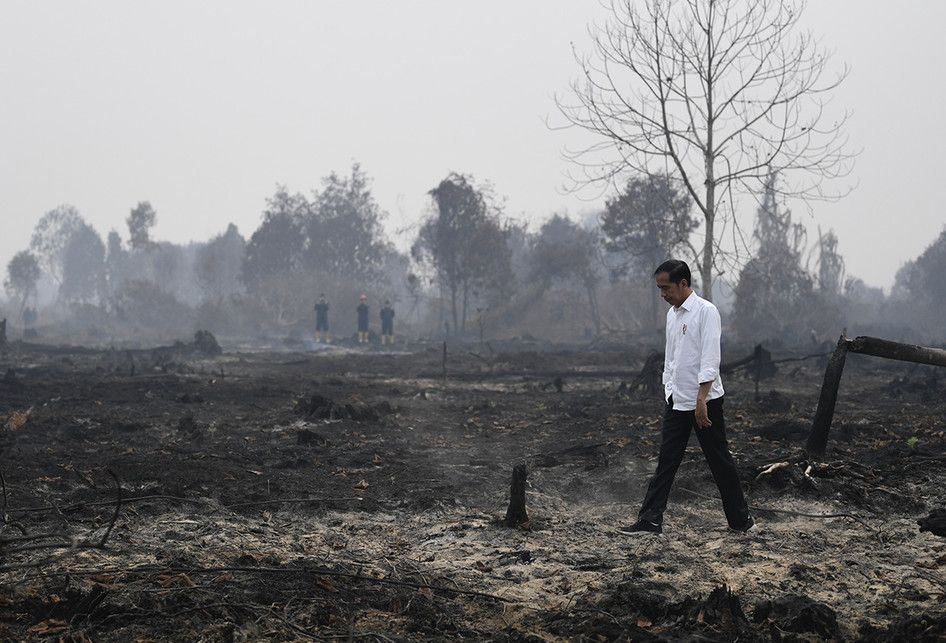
x=516 y=513
x=818 y=439
x=445 y=362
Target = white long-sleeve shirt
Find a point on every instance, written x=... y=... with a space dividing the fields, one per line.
x=692 y=352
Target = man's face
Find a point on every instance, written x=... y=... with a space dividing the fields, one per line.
x=673 y=294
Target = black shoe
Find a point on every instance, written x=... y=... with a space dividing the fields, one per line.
x=641 y=526
x=748 y=527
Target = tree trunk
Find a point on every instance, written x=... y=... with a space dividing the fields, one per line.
x=453 y=307
x=654 y=314
x=818 y=439
x=709 y=159
x=466 y=301
x=706 y=270
x=593 y=306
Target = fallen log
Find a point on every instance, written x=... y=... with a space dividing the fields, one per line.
x=895 y=350
x=821 y=425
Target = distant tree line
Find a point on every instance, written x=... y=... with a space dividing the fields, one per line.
x=470 y=269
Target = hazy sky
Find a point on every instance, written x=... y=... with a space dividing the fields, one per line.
x=203 y=107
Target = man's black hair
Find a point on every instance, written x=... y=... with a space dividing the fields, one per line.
x=676 y=269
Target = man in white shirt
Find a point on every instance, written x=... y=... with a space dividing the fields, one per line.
x=694 y=394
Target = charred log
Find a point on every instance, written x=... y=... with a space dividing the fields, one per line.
x=516 y=514
x=650 y=378
x=895 y=350
x=935 y=523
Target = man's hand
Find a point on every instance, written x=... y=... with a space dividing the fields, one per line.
x=702 y=414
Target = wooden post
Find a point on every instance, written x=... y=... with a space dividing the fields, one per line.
x=516 y=513
x=444 y=362
x=818 y=438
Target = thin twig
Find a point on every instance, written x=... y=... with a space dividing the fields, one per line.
x=118 y=506
x=788 y=512
x=3 y=483
x=150 y=569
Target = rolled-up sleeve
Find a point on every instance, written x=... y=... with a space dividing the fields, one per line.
x=709 y=353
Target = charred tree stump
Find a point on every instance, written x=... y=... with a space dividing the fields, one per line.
x=650 y=378
x=818 y=439
x=934 y=523
x=759 y=365
x=444 y=365
x=516 y=513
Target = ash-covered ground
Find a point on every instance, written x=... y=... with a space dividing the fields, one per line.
x=358 y=494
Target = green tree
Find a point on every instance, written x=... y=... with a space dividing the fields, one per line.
x=83 y=261
x=776 y=299
x=219 y=262
x=275 y=248
x=920 y=282
x=830 y=264
x=50 y=236
x=140 y=221
x=564 y=252
x=342 y=228
x=23 y=273
x=650 y=221
x=464 y=240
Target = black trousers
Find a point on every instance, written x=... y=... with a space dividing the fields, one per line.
x=675 y=434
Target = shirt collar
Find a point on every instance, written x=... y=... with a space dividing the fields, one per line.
x=690 y=302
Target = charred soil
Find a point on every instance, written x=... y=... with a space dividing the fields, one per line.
x=359 y=494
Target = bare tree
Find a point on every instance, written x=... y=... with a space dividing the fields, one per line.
x=718 y=93
x=830 y=264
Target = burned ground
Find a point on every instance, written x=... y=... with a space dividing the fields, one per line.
x=359 y=494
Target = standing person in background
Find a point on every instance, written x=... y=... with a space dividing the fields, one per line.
x=363 y=319
x=321 y=320
x=694 y=395
x=387 y=323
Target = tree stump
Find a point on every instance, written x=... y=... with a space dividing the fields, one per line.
x=516 y=513
x=650 y=379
